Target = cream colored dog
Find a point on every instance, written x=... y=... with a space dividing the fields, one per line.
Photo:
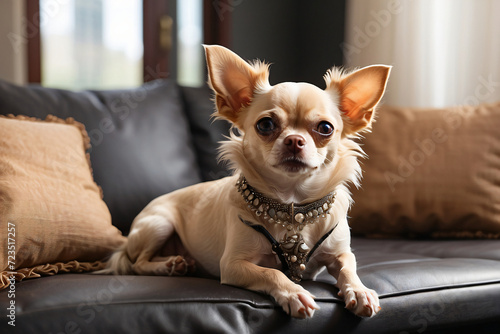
x=285 y=207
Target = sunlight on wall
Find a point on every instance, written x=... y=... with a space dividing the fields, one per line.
x=444 y=52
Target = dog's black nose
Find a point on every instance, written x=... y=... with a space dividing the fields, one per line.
x=295 y=143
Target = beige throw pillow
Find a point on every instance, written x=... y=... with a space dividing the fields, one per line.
x=431 y=172
x=51 y=211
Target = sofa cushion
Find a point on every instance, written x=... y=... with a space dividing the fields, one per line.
x=141 y=144
x=50 y=208
x=431 y=172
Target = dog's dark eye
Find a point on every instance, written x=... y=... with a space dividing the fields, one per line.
x=325 y=128
x=266 y=126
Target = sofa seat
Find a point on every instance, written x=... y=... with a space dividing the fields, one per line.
x=424 y=286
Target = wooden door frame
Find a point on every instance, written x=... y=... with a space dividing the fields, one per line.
x=32 y=34
x=217 y=22
x=155 y=57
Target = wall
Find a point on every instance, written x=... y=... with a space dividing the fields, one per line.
x=300 y=38
x=13 y=65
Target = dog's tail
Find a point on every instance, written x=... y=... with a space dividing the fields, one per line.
x=118 y=264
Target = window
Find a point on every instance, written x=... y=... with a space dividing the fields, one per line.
x=100 y=44
x=190 y=56
x=91 y=43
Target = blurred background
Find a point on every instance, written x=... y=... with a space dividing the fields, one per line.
x=444 y=52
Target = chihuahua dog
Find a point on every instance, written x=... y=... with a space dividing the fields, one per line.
x=282 y=216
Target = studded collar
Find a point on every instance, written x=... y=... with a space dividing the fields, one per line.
x=290 y=216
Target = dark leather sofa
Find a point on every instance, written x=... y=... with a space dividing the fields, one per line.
x=162 y=139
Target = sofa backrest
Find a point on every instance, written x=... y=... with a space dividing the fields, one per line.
x=146 y=141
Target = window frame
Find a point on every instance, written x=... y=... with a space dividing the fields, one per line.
x=34 y=43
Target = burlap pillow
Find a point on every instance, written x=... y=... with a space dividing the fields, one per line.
x=432 y=172
x=51 y=210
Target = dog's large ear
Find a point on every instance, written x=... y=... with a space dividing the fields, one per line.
x=360 y=92
x=233 y=80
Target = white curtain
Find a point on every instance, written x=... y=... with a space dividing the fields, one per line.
x=444 y=52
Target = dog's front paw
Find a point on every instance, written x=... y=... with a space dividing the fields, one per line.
x=360 y=300
x=298 y=303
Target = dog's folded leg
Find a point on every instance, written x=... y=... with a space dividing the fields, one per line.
x=362 y=301
x=293 y=298
x=150 y=234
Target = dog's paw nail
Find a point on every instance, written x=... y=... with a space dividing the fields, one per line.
x=351 y=304
x=308 y=301
x=310 y=312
